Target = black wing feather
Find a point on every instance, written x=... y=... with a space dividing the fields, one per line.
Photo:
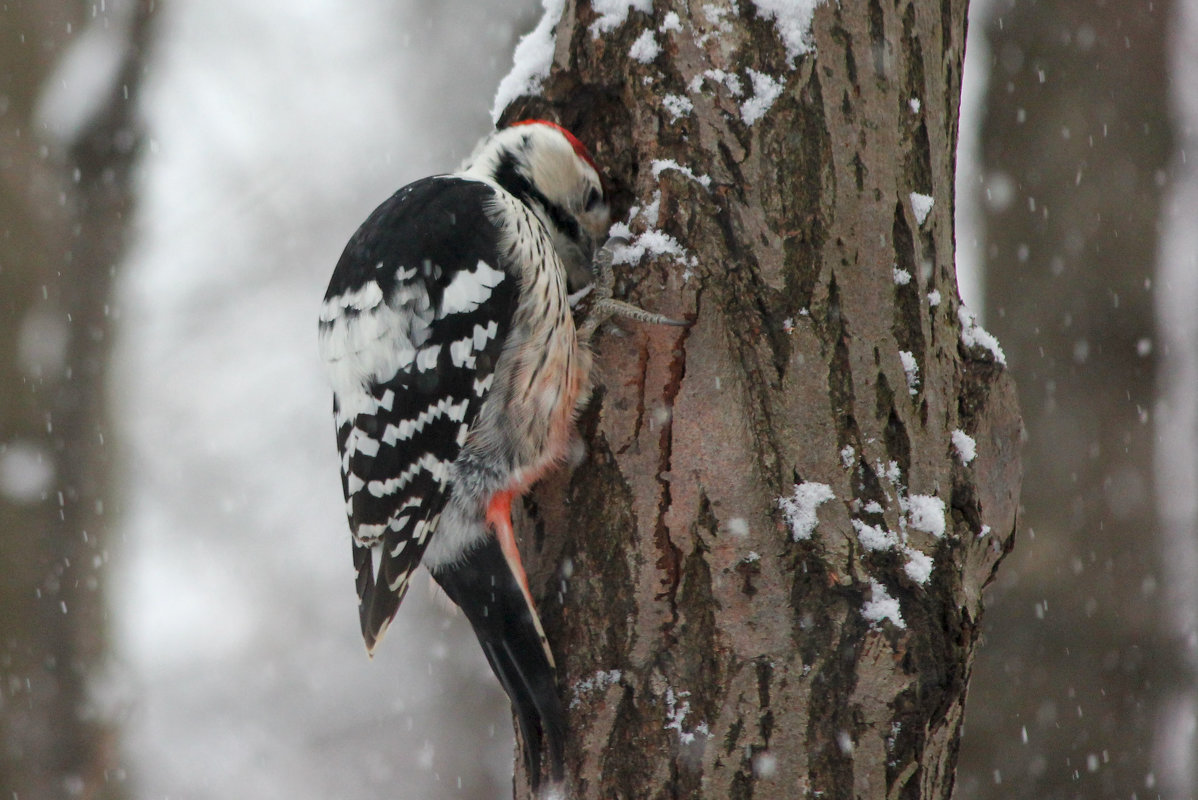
x=415 y=245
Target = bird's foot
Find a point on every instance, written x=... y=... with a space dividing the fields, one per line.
x=603 y=306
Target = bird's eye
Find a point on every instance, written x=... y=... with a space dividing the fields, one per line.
x=593 y=199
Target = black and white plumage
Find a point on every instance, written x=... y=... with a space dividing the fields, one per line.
x=457 y=371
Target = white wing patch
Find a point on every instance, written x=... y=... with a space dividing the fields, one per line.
x=367 y=297
x=468 y=290
x=365 y=339
x=483 y=335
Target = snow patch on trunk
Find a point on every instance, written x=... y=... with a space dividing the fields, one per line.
x=800 y=508
x=531 y=61
x=792 y=19
x=881 y=606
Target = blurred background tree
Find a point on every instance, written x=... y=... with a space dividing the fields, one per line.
x=68 y=141
x=1079 y=658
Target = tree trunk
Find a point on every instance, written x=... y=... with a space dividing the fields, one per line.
x=66 y=193
x=710 y=641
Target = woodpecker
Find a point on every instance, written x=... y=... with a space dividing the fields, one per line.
x=457 y=371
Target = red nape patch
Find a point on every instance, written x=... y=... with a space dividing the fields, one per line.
x=579 y=147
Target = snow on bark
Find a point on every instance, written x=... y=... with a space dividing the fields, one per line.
x=678 y=106
x=792 y=19
x=911 y=367
x=766 y=90
x=974 y=335
x=966 y=447
x=531 y=61
x=800 y=508
x=660 y=165
x=875 y=537
x=918 y=566
x=645 y=48
x=881 y=606
x=729 y=80
x=926 y=513
x=613 y=13
x=921 y=204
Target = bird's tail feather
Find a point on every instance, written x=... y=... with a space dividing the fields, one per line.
x=508 y=629
x=376 y=605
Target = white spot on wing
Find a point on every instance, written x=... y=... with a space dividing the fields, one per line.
x=399 y=519
x=359 y=442
x=461 y=353
x=483 y=335
x=468 y=290
x=457 y=411
x=424 y=528
x=369 y=533
x=426 y=357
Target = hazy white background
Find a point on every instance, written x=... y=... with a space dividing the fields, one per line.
x=275 y=128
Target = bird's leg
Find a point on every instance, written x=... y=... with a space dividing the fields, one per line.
x=604 y=306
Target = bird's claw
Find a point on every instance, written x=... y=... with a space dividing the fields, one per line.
x=603 y=306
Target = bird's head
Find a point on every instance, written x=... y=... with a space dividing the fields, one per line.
x=551 y=172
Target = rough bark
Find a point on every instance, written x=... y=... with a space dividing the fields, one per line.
x=703 y=650
x=66 y=204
